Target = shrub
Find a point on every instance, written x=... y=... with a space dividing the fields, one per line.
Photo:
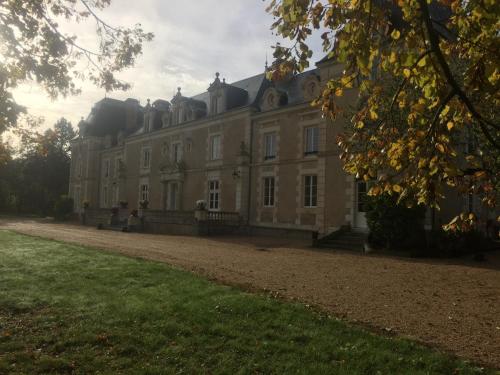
x=63 y=207
x=394 y=226
x=451 y=244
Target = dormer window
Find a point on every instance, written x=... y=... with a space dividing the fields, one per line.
x=273 y=99
x=216 y=91
x=311 y=87
x=214 y=104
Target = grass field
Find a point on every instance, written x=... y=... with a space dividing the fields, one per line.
x=71 y=309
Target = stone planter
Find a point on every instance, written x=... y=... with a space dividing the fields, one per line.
x=200 y=215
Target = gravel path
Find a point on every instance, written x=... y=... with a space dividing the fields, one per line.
x=454 y=305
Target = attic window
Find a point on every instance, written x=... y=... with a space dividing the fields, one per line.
x=311 y=88
x=214 y=105
x=271 y=100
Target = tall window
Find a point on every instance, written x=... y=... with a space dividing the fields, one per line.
x=114 y=194
x=312 y=140
x=176 y=152
x=172 y=204
x=270 y=146
x=118 y=162
x=144 y=192
x=105 y=196
x=106 y=168
x=310 y=191
x=215 y=153
x=76 y=201
x=361 y=195
x=214 y=104
x=79 y=167
x=269 y=192
x=213 y=194
x=146 y=158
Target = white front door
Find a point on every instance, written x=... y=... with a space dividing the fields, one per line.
x=360 y=205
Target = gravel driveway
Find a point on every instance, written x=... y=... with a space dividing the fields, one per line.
x=454 y=305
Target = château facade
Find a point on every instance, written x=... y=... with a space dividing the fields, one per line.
x=254 y=147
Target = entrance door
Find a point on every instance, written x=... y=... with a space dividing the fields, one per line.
x=360 y=205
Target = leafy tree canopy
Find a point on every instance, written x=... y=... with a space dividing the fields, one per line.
x=428 y=75
x=39 y=174
x=35 y=48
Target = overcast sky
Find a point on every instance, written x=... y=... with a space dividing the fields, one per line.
x=193 y=40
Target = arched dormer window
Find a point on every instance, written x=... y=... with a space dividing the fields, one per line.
x=273 y=99
x=311 y=87
x=217 y=91
x=214 y=104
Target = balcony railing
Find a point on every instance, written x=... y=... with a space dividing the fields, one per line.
x=232 y=217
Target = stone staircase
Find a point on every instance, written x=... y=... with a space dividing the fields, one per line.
x=343 y=239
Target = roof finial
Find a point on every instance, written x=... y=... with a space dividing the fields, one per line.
x=178 y=91
x=223 y=80
x=217 y=74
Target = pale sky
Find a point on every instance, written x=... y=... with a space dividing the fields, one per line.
x=193 y=40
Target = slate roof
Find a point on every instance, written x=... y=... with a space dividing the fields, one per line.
x=256 y=85
x=251 y=85
x=108 y=115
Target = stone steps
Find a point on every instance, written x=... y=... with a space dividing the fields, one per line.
x=344 y=241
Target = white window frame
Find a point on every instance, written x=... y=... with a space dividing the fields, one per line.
x=270 y=146
x=269 y=191
x=311 y=140
x=215 y=147
x=176 y=151
x=214 y=195
x=146 y=158
x=310 y=191
x=144 y=192
x=118 y=159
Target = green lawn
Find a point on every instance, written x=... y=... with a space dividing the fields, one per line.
x=72 y=309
